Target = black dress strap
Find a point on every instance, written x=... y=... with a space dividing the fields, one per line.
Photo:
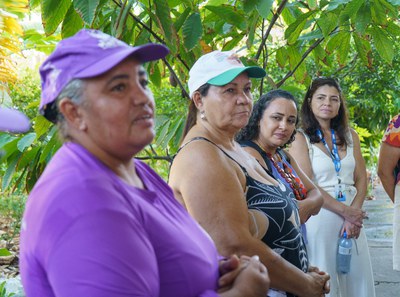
x=222 y=150
x=263 y=154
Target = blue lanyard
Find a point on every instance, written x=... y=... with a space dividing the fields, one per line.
x=334 y=153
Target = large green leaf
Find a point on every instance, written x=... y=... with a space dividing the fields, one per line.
x=6 y=138
x=41 y=126
x=364 y=50
x=282 y=57
x=163 y=15
x=264 y=7
x=294 y=59
x=292 y=33
x=192 y=31
x=335 y=4
x=383 y=44
x=10 y=170
x=155 y=73
x=327 y=22
x=251 y=30
x=350 y=11
x=53 y=13
x=51 y=147
x=312 y=4
x=87 y=9
x=393 y=29
x=363 y=18
x=5 y=252
x=335 y=41
x=229 y=14
x=28 y=157
x=181 y=19
x=26 y=141
x=390 y=10
x=249 y=5
x=344 y=48
x=72 y=23
x=378 y=13
x=231 y=44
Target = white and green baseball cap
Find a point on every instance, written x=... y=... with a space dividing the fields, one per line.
x=219 y=68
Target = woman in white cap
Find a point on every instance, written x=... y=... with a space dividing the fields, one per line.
x=217 y=181
x=99 y=223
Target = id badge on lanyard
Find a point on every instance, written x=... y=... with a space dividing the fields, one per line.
x=340 y=188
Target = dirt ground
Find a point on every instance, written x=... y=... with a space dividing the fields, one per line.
x=8 y=265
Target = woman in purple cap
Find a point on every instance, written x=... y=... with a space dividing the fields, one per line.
x=12 y=120
x=98 y=222
x=227 y=191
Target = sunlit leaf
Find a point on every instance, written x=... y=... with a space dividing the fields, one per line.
x=327 y=22
x=163 y=16
x=192 y=31
x=293 y=31
x=86 y=9
x=350 y=11
x=26 y=141
x=229 y=15
x=249 y=5
x=72 y=23
x=181 y=20
x=53 y=13
x=378 y=12
x=344 y=48
x=364 y=50
x=264 y=7
x=363 y=18
x=383 y=44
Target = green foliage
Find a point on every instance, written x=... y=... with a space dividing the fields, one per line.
x=3 y=291
x=12 y=207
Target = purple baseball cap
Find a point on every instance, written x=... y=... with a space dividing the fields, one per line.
x=89 y=53
x=12 y=120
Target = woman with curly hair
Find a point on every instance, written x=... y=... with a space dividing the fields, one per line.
x=272 y=125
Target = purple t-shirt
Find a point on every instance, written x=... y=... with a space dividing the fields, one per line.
x=85 y=232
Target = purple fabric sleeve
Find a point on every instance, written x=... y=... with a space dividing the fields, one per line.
x=87 y=233
x=110 y=260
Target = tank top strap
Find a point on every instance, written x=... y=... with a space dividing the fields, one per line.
x=213 y=143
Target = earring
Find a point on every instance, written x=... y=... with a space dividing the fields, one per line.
x=203 y=115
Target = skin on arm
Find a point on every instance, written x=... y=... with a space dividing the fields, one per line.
x=299 y=151
x=388 y=157
x=214 y=196
x=360 y=183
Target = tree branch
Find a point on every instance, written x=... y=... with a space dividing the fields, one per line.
x=303 y=57
x=163 y=158
x=271 y=24
x=159 y=39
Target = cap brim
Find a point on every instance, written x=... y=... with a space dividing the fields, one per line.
x=144 y=53
x=13 y=121
x=231 y=74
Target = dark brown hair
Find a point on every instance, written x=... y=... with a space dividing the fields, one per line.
x=192 y=113
x=252 y=129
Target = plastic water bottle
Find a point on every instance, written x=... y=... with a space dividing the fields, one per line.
x=343 y=256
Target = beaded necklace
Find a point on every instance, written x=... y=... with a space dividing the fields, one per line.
x=287 y=174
